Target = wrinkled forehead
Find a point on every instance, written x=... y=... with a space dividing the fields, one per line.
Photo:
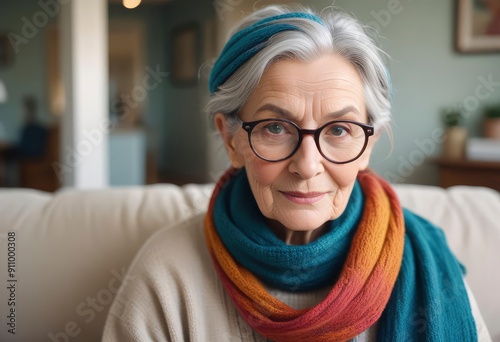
x=318 y=87
x=323 y=75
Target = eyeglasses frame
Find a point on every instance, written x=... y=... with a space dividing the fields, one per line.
x=250 y=125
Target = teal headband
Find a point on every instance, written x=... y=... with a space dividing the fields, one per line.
x=247 y=43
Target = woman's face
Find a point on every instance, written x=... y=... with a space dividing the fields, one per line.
x=306 y=190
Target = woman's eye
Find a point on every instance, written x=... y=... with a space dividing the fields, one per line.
x=274 y=128
x=337 y=131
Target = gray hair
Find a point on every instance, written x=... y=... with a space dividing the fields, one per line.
x=342 y=35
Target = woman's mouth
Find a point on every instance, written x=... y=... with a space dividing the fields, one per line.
x=303 y=197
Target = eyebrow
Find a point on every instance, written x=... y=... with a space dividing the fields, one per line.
x=284 y=113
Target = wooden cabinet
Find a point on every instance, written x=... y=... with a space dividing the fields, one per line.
x=468 y=172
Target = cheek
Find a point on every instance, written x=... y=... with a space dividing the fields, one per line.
x=263 y=177
x=264 y=173
x=344 y=177
x=259 y=171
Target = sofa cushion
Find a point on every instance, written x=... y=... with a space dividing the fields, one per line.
x=73 y=248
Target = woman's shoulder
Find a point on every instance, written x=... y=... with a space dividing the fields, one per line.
x=165 y=287
x=173 y=243
x=171 y=258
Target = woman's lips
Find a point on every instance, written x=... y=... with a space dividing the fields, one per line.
x=303 y=197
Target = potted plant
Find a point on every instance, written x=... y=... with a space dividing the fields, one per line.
x=491 y=123
x=455 y=138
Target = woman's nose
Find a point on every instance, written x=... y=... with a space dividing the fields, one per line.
x=307 y=162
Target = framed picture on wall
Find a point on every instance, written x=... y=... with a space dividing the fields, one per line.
x=478 y=26
x=185 y=54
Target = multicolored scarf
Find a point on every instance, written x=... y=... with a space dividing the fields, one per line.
x=382 y=263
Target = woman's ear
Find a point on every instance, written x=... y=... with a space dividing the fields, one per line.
x=235 y=156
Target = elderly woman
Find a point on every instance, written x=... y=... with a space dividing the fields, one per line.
x=300 y=242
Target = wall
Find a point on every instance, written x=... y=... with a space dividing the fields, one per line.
x=155 y=105
x=174 y=118
x=185 y=122
x=27 y=74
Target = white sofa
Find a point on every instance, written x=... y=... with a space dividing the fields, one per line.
x=72 y=249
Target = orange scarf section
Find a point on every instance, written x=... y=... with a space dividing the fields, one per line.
x=357 y=298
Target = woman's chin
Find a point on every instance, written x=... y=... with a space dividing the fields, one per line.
x=306 y=218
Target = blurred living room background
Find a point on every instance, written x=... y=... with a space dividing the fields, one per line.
x=104 y=93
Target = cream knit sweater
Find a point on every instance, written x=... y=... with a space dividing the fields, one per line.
x=172 y=293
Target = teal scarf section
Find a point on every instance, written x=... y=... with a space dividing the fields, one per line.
x=428 y=303
x=244 y=232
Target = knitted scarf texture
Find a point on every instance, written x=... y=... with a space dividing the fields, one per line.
x=382 y=263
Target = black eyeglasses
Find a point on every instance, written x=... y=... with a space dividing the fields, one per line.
x=339 y=142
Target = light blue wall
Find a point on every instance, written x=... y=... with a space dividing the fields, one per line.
x=185 y=128
x=27 y=75
x=428 y=76
x=156 y=104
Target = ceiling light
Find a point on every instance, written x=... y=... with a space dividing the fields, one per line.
x=131 y=3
